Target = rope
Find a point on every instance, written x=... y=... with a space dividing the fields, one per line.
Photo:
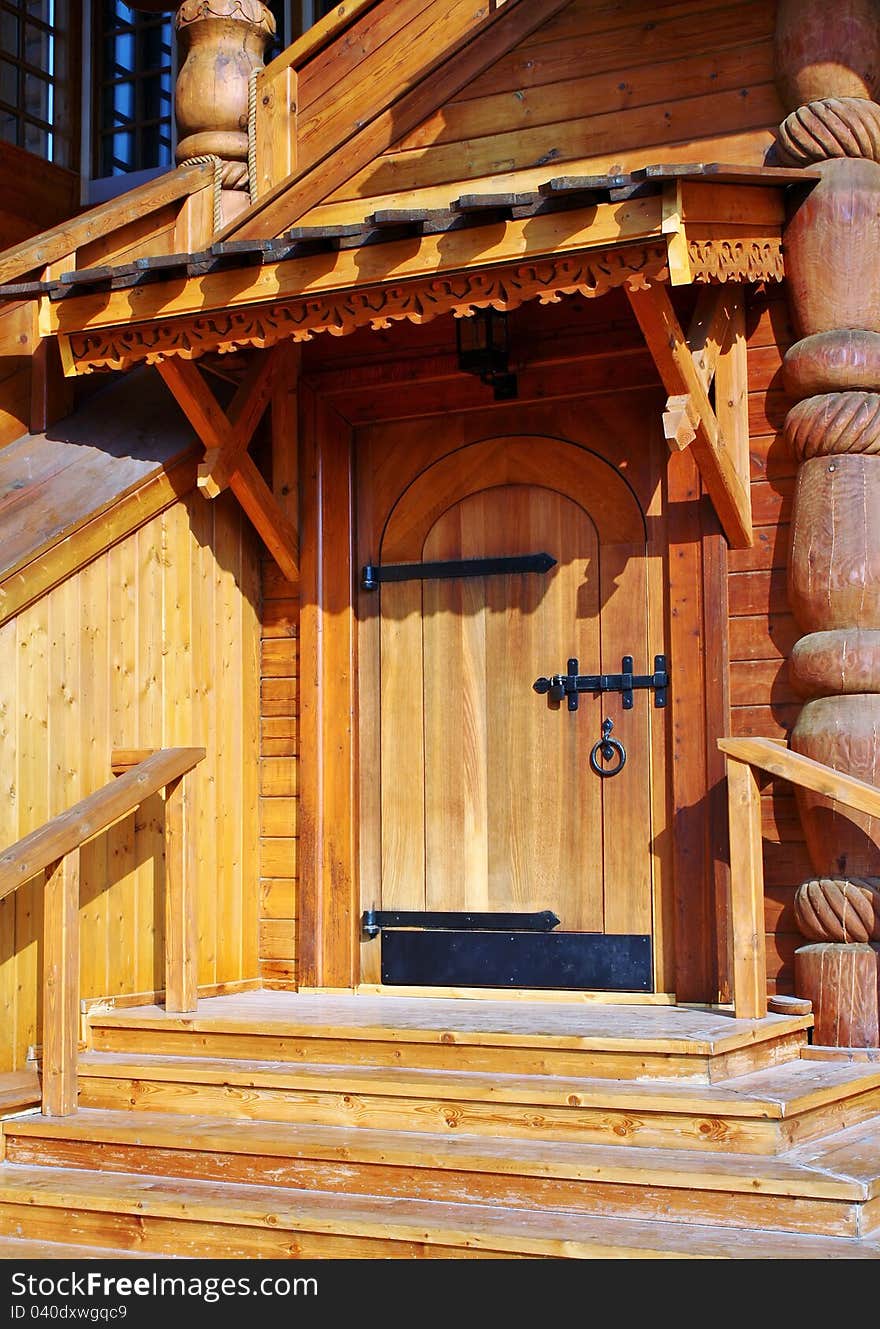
x=218 y=166
x=252 y=134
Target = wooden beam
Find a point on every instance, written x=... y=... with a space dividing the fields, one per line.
x=678 y=373
x=181 y=930
x=709 y=328
x=285 y=429
x=86 y=819
x=732 y=388
x=244 y=414
x=61 y=986
x=746 y=893
x=198 y=403
x=787 y=765
x=521 y=240
x=100 y=221
x=222 y=439
x=276 y=531
x=122 y=759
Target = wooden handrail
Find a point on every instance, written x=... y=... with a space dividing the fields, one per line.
x=86 y=819
x=744 y=757
x=54 y=848
x=68 y=236
x=809 y=774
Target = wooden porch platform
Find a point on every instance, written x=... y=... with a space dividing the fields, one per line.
x=282 y=1125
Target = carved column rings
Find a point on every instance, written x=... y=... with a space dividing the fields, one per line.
x=834 y=563
x=832 y=259
x=833 y=362
x=834 y=423
x=221 y=43
x=842 y=733
x=826 y=48
x=839 y=909
x=832 y=127
x=836 y=663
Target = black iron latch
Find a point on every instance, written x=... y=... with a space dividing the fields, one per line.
x=562 y=686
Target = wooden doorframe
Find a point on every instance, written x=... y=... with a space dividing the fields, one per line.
x=329 y=922
x=329 y=892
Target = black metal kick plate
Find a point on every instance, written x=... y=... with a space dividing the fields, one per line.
x=576 y=960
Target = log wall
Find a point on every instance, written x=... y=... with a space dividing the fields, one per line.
x=153 y=644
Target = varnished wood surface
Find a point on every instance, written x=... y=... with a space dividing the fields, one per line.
x=93 y=814
x=572 y=1024
x=701 y=75
x=844 y=1167
x=403 y=1227
x=88 y=659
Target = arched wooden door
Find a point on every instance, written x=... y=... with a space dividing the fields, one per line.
x=487 y=800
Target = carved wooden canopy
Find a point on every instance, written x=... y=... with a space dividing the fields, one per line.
x=571 y=236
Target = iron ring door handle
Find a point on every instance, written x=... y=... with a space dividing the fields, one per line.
x=608 y=748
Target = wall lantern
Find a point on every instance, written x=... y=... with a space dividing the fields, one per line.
x=484 y=349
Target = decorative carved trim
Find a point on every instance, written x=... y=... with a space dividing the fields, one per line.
x=749 y=259
x=842 y=909
x=831 y=127
x=832 y=423
x=252 y=12
x=546 y=280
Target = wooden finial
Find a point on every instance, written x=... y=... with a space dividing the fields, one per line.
x=222 y=42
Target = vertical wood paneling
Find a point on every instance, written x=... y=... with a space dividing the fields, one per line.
x=127 y=654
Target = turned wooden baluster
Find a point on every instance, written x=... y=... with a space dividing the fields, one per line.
x=828 y=72
x=220 y=45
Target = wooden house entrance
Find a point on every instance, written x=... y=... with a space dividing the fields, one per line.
x=488 y=803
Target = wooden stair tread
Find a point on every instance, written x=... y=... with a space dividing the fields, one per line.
x=19 y=1090
x=476 y=1226
x=575 y=1025
x=777 y=1092
x=853 y=1152
x=816 y=1171
x=26 y=1248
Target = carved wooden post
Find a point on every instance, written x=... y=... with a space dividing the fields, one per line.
x=828 y=71
x=221 y=43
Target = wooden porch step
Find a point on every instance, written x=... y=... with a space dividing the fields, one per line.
x=159 y=1215
x=513 y=1037
x=21 y=1248
x=19 y=1091
x=832 y=1189
x=766 y=1112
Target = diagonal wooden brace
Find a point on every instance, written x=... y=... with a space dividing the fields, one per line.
x=682 y=377
x=227 y=461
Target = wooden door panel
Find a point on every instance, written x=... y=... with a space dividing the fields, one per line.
x=627 y=829
x=488 y=802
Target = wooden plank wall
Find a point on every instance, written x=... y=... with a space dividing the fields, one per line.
x=155 y=643
x=607 y=84
x=762 y=629
x=278 y=778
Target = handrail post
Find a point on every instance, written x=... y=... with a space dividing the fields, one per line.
x=61 y=986
x=746 y=892
x=181 y=932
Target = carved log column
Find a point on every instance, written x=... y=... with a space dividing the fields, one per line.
x=828 y=70
x=221 y=43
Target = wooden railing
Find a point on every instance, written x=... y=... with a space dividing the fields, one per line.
x=745 y=756
x=54 y=849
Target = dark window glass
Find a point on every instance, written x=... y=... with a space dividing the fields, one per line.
x=133 y=90
x=35 y=93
